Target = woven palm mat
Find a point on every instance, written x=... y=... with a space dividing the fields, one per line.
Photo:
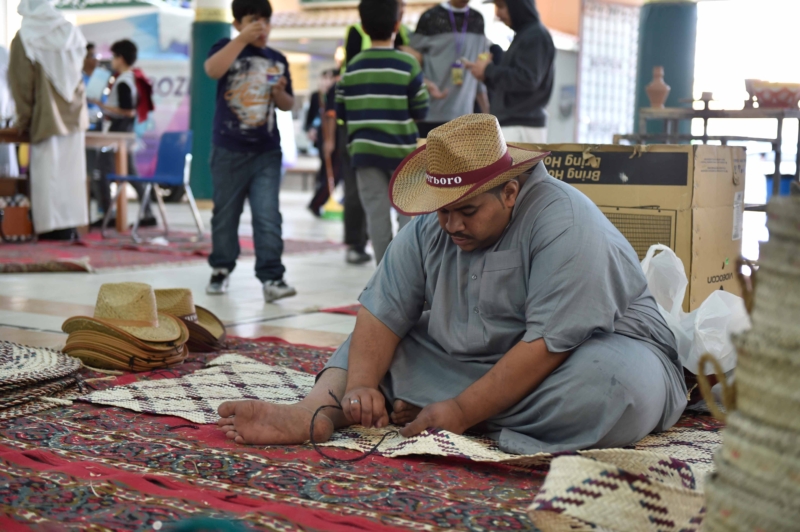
x=230 y=377
x=93 y=252
x=22 y=365
x=71 y=467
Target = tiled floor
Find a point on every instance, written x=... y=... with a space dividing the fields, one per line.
x=33 y=306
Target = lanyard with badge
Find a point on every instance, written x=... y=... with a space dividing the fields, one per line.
x=457 y=68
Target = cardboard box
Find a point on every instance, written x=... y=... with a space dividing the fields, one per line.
x=690 y=198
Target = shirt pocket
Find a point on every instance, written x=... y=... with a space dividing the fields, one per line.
x=503 y=288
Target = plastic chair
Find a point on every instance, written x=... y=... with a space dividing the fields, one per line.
x=173 y=168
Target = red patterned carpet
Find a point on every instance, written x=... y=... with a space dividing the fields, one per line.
x=69 y=467
x=93 y=252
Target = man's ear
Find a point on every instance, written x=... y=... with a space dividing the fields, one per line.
x=397 y=26
x=238 y=25
x=510 y=193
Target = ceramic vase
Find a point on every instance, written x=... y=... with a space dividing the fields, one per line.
x=657 y=91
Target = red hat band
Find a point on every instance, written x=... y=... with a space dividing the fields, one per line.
x=473 y=176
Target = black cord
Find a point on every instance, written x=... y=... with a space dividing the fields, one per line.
x=338 y=406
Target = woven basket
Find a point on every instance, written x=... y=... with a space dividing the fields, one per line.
x=739 y=502
x=767 y=387
x=777 y=305
x=634 y=491
x=764 y=452
x=783 y=218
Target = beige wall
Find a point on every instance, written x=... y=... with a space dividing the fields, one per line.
x=285 y=5
x=561 y=15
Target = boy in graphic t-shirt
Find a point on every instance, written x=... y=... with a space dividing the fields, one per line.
x=246 y=150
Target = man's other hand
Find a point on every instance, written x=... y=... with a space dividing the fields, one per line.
x=446 y=415
x=366 y=407
x=435 y=92
x=478 y=68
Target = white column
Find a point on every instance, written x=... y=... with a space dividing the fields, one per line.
x=9 y=21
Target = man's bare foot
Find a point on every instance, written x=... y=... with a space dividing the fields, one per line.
x=262 y=423
x=404 y=412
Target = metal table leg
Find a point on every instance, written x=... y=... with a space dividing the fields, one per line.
x=776 y=177
x=797 y=155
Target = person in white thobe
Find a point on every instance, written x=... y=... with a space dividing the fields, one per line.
x=45 y=78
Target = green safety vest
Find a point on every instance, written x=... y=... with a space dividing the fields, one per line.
x=366 y=42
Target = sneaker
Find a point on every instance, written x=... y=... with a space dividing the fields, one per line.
x=277 y=290
x=355 y=256
x=148 y=221
x=219 y=282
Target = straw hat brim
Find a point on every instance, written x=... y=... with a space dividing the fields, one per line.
x=99 y=359
x=208 y=321
x=110 y=343
x=170 y=328
x=411 y=194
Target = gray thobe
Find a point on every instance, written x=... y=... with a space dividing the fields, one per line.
x=561 y=272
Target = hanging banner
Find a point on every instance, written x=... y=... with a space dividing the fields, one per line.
x=170 y=81
x=96 y=4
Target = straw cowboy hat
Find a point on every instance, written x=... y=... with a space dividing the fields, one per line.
x=461 y=159
x=204 y=326
x=129 y=308
x=81 y=325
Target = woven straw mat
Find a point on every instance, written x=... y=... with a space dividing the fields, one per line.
x=21 y=364
x=38 y=405
x=631 y=490
x=23 y=395
x=197 y=396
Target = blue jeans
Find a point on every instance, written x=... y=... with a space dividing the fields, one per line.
x=257 y=177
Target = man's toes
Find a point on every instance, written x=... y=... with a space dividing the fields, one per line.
x=228 y=408
x=226 y=428
x=232 y=434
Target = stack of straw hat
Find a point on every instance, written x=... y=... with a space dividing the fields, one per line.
x=127 y=332
x=28 y=373
x=757 y=482
x=206 y=331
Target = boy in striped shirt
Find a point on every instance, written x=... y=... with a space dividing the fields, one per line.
x=379 y=97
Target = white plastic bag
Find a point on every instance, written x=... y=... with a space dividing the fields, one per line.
x=708 y=328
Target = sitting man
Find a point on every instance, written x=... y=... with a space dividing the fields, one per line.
x=517 y=310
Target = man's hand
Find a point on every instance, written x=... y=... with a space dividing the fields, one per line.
x=312 y=135
x=445 y=415
x=280 y=87
x=412 y=52
x=283 y=100
x=366 y=407
x=478 y=68
x=435 y=92
x=251 y=32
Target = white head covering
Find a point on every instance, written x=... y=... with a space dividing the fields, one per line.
x=54 y=43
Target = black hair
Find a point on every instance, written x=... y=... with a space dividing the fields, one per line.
x=379 y=18
x=259 y=8
x=89 y=46
x=498 y=190
x=126 y=50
